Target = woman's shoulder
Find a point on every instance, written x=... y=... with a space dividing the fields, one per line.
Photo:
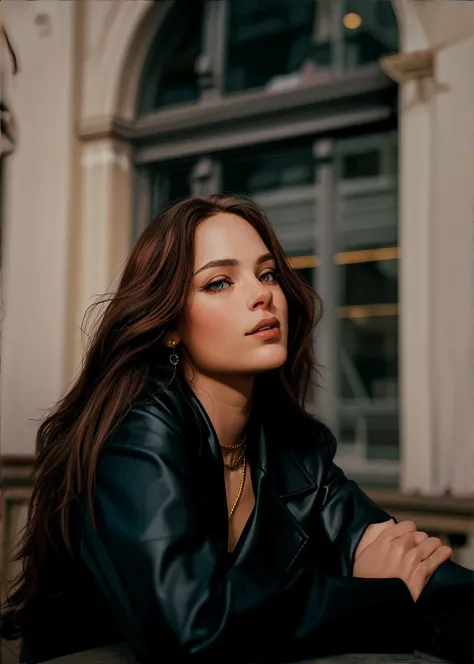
x=161 y=414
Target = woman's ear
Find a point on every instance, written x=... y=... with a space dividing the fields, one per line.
x=172 y=340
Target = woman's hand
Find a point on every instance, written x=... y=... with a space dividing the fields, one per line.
x=400 y=551
x=371 y=534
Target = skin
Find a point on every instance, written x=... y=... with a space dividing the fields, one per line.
x=401 y=551
x=235 y=285
x=221 y=359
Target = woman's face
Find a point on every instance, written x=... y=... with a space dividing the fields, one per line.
x=235 y=293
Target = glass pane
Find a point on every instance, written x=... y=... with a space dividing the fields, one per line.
x=369 y=357
x=368 y=283
x=170 y=182
x=170 y=76
x=383 y=437
x=370 y=31
x=379 y=432
x=361 y=165
x=368 y=194
x=367 y=296
x=269 y=169
x=269 y=42
x=280 y=179
x=308 y=274
x=178 y=183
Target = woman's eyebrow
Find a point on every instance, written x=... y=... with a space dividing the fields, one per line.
x=233 y=262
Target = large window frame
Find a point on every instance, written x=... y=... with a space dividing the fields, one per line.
x=346 y=108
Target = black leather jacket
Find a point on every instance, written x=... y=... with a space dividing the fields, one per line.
x=155 y=570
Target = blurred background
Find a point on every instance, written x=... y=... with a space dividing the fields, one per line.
x=350 y=121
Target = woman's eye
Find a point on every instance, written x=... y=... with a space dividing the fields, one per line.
x=217 y=286
x=269 y=276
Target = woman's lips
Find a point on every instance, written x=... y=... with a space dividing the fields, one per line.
x=267 y=333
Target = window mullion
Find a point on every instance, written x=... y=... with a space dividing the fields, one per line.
x=206 y=177
x=338 y=45
x=325 y=281
x=210 y=66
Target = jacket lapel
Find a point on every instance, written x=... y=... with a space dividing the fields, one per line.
x=210 y=435
x=284 y=492
x=274 y=538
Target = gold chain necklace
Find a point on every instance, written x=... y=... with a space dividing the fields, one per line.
x=234 y=464
x=233 y=447
x=241 y=488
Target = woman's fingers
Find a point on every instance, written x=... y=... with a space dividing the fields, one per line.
x=428 y=546
x=420 y=537
x=439 y=556
x=399 y=530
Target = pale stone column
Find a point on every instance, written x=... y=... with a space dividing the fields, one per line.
x=37 y=194
x=117 y=37
x=437 y=251
x=105 y=228
x=452 y=271
x=417 y=153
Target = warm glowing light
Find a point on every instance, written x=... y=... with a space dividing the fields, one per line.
x=352 y=21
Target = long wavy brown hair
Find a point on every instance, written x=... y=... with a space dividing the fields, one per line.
x=126 y=348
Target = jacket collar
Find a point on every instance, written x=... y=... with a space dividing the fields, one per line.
x=273 y=537
x=269 y=451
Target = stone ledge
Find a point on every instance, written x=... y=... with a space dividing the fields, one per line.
x=434 y=504
x=16 y=469
x=237 y=109
x=447 y=517
x=402 y=67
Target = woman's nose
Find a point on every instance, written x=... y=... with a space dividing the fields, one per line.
x=261 y=297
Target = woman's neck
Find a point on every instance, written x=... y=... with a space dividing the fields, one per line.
x=227 y=402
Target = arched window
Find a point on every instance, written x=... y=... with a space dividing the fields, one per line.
x=231 y=46
x=267 y=40
x=170 y=76
x=286 y=101
x=370 y=31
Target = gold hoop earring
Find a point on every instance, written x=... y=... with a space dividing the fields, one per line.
x=174 y=357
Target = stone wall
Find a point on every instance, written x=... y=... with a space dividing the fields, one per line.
x=15 y=489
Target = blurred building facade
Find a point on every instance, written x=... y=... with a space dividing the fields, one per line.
x=350 y=121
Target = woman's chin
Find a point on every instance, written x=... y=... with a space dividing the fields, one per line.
x=270 y=357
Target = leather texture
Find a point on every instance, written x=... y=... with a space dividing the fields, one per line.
x=156 y=563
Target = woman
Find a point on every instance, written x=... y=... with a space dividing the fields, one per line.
x=185 y=502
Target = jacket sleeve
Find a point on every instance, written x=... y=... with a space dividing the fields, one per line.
x=167 y=579
x=347 y=511
x=444 y=612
